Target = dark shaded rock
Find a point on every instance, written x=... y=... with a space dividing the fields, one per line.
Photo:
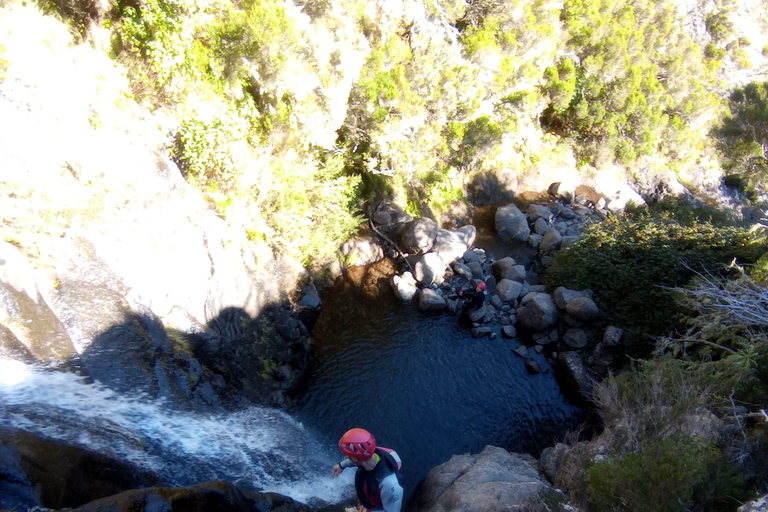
x=419 y=236
x=575 y=338
x=532 y=367
x=16 y=491
x=476 y=315
x=210 y=496
x=613 y=335
x=69 y=476
x=508 y=290
x=538 y=313
x=575 y=376
x=551 y=241
x=583 y=309
x=509 y=331
x=430 y=300
x=480 y=332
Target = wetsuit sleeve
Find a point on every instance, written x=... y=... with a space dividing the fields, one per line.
x=391 y=493
x=346 y=463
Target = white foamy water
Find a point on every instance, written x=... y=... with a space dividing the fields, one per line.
x=257 y=447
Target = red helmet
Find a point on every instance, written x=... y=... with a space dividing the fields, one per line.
x=481 y=285
x=357 y=443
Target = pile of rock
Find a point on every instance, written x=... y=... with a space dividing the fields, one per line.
x=560 y=325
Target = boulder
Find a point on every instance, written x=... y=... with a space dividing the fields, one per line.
x=462 y=270
x=511 y=224
x=430 y=300
x=492 y=480
x=405 y=286
x=563 y=295
x=561 y=191
x=219 y=496
x=756 y=505
x=541 y=226
x=551 y=241
x=476 y=315
x=427 y=268
x=359 y=251
x=583 y=309
x=477 y=270
x=480 y=332
x=538 y=313
x=575 y=338
x=537 y=211
x=532 y=367
x=474 y=255
x=509 y=331
x=508 y=290
x=451 y=245
x=507 y=268
x=612 y=336
x=575 y=375
x=419 y=236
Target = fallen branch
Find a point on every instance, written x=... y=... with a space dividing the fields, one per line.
x=393 y=244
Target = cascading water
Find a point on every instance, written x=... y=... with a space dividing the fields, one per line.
x=258 y=447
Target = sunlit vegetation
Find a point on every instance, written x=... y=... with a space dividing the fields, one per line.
x=743 y=139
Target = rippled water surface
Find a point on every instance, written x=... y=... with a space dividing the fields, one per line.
x=421 y=384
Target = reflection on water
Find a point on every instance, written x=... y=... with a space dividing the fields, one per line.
x=421 y=384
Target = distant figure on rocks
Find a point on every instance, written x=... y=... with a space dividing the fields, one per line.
x=472 y=300
x=376 y=482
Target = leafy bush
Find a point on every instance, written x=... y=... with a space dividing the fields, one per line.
x=620 y=101
x=3 y=64
x=628 y=260
x=662 y=477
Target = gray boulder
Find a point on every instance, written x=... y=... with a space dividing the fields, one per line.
x=474 y=255
x=361 y=251
x=419 y=236
x=405 y=286
x=508 y=290
x=575 y=374
x=477 y=315
x=493 y=480
x=583 y=309
x=612 y=336
x=511 y=224
x=462 y=270
x=451 y=245
x=430 y=300
x=538 y=313
x=538 y=211
x=551 y=241
x=541 y=226
x=575 y=338
x=428 y=268
x=507 y=268
x=563 y=295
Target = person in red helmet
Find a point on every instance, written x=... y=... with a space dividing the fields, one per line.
x=376 y=482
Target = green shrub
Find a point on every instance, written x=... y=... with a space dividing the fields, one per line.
x=3 y=64
x=719 y=26
x=742 y=139
x=627 y=261
x=661 y=478
x=617 y=102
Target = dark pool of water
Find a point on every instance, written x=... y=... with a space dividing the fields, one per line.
x=422 y=385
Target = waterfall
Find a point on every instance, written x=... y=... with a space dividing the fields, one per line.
x=257 y=447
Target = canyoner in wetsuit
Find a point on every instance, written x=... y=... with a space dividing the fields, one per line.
x=376 y=482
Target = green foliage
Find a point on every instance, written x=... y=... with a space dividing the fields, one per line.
x=258 y=34
x=627 y=260
x=3 y=64
x=472 y=140
x=661 y=478
x=78 y=14
x=205 y=150
x=743 y=139
x=719 y=26
x=561 y=84
x=309 y=208
x=638 y=85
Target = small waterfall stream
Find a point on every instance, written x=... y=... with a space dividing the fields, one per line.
x=258 y=447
